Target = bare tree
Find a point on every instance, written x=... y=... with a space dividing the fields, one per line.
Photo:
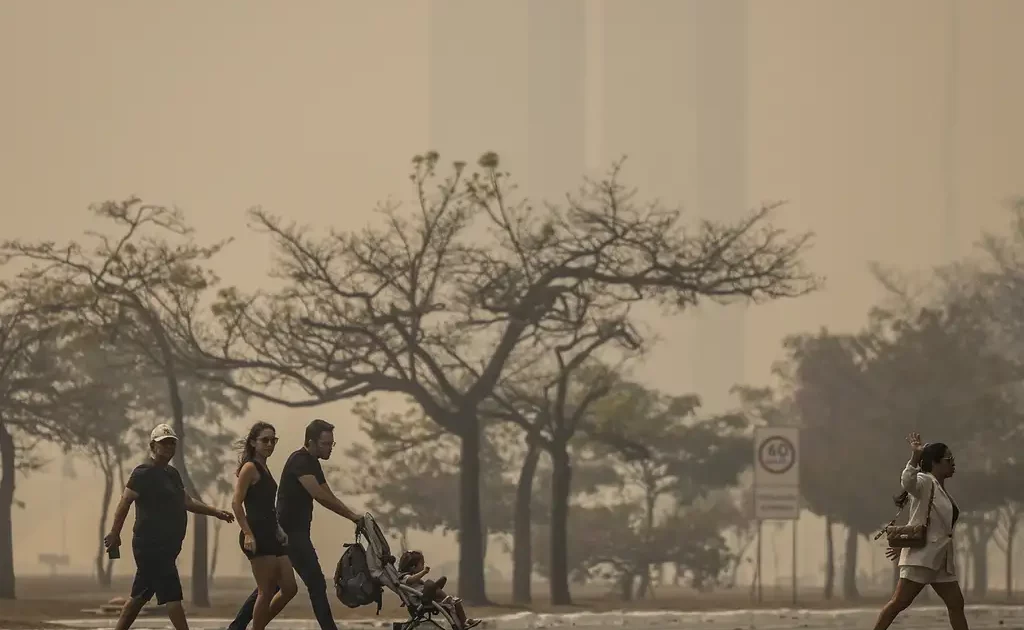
x=130 y=285
x=467 y=279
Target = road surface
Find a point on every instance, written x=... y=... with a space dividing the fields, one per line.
x=931 y=617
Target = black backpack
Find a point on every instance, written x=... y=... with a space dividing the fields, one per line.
x=352 y=580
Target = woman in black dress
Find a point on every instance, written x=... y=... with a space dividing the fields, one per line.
x=262 y=539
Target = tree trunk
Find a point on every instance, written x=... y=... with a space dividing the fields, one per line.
x=103 y=565
x=200 y=551
x=200 y=561
x=1018 y=561
x=979 y=564
x=850 y=565
x=119 y=467
x=644 y=570
x=7 y=466
x=626 y=581
x=1011 y=533
x=522 y=545
x=962 y=560
x=830 y=560
x=216 y=548
x=644 y=587
x=561 y=484
x=472 y=587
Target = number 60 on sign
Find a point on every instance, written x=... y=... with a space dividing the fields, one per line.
x=776 y=456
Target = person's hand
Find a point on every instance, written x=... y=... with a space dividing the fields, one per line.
x=892 y=554
x=281 y=536
x=249 y=543
x=111 y=540
x=226 y=516
x=426 y=570
x=914 y=440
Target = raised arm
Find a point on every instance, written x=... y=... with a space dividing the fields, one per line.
x=909 y=479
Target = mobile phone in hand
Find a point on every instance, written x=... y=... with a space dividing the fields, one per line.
x=114 y=552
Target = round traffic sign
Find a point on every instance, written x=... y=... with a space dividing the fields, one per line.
x=776 y=454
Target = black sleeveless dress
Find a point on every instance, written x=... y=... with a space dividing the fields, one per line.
x=262 y=516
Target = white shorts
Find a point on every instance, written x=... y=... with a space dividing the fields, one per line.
x=925 y=575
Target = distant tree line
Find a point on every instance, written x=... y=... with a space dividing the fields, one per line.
x=943 y=354
x=505 y=327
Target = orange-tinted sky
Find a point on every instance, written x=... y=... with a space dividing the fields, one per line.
x=313 y=110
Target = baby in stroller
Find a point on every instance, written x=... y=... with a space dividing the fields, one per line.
x=412 y=569
x=362 y=574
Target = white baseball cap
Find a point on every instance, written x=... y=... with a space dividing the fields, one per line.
x=162 y=432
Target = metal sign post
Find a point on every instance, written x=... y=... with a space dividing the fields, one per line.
x=777 y=485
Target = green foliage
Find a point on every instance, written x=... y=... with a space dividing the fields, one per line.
x=665 y=447
x=610 y=542
x=653 y=493
x=935 y=372
x=410 y=469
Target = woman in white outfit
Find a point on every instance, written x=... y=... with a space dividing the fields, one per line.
x=924 y=485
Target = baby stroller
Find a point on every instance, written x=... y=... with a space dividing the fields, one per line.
x=380 y=564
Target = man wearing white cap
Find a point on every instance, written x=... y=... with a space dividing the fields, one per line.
x=161 y=503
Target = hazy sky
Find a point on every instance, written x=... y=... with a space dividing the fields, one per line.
x=313 y=110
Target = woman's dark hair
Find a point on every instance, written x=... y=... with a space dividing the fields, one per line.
x=246 y=449
x=931 y=454
x=409 y=560
x=315 y=429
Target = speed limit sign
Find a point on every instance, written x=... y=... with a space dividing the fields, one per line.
x=777 y=456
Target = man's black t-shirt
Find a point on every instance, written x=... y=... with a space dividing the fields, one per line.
x=294 y=504
x=160 y=518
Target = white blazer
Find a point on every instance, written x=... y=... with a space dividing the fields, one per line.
x=938 y=550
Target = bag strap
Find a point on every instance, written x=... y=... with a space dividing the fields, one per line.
x=891 y=523
x=931 y=504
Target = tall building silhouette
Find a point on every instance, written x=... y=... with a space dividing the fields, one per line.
x=581 y=83
x=720 y=91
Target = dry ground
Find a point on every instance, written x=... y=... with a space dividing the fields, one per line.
x=63 y=597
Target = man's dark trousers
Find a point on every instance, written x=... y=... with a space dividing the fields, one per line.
x=307 y=565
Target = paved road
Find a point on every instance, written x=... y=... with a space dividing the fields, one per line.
x=980 y=618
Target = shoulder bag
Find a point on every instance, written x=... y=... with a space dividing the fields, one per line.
x=909 y=536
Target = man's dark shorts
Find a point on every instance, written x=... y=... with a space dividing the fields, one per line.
x=156 y=574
